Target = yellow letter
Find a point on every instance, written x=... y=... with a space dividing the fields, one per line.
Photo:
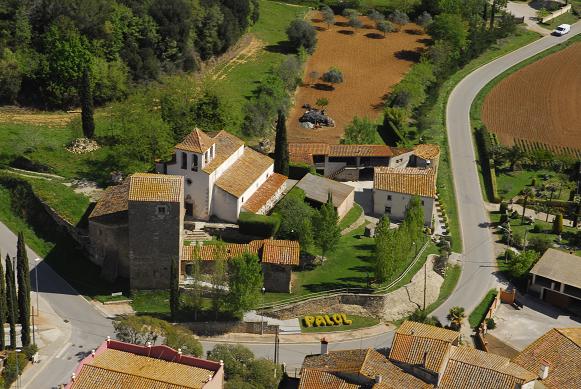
x=309 y=320
x=345 y=320
x=337 y=319
x=319 y=321
x=328 y=320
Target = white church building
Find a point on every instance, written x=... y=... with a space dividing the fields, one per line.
x=223 y=177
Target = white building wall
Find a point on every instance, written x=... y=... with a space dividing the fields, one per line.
x=400 y=160
x=197 y=192
x=226 y=206
x=399 y=203
x=256 y=184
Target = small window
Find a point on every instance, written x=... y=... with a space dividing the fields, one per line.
x=388 y=210
x=195 y=163
x=161 y=210
x=184 y=161
x=206 y=154
x=242 y=200
x=423 y=203
x=388 y=197
x=189 y=181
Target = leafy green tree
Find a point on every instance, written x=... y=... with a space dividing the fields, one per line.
x=355 y=23
x=328 y=16
x=2 y=306
x=322 y=102
x=23 y=277
x=326 y=227
x=296 y=221
x=86 y=97
x=376 y=16
x=540 y=244
x=527 y=194
x=236 y=359
x=10 y=77
x=522 y=263
x=289 y=72
x=385 y=240
x=399 y=18
x=421 y=316
x=450 y=28
x=515 y=156
x=350 y=13
x=174 y=288
x=178 y=337
x=558 y=224
x=414 y=219
x=424 y=19
x=302 y=33
x=385 y=27
x=219 y=277
x=245 y=281
x=195 y=290
x=11 y=300
x=456 y=315
x=334 y=76
x=281 y=157
x=360 y=131
x=140 y=329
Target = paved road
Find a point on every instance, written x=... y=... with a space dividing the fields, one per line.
x=478 y=263
x=80 y=326
x=293 y=354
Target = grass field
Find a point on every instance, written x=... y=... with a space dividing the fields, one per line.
x=567 y=18
x=511 y=184
x=450 y=281
x=351 y=216
x=358 y=322
x=477 y=315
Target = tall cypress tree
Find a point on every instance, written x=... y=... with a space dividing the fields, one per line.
x=86 y=97
x=174 y=288
x=11 y=300
x=23 y=277
x=2 y=305
x=281 y=146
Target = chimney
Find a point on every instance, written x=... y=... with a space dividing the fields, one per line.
x=544 y=370
x=324 y=346
x=378 y=379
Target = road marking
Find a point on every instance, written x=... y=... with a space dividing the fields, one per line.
x=62 y=351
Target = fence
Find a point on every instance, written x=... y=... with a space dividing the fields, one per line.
x=341 y=291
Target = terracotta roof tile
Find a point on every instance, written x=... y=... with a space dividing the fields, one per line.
x=413 y=181
x=561 y=348
x=316 y=379
x=265 y=192
x=278 y=252
x=156 y=187
x=226 y=145
x=303 y=152
x=113 y=200
x=559 y=266
x=413 y=340
x=136 y=371
x=469 y=368
x=427 y=151
x=196 y=141
x=242 y=174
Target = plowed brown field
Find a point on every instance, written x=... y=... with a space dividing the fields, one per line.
x=539 y=105
x=371 y=65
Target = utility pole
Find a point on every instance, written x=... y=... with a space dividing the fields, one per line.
x=276 y=346
x=425 y=281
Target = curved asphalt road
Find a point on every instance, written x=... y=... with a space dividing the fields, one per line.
x=478 y=263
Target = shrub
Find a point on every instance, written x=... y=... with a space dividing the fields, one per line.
x=302 y=33
x=258 y=225
x=558 y=224
x=490 y=324
x=540 y=243
x=537 y=228
x=296 y=171
x=503 y=207
x=333 y=75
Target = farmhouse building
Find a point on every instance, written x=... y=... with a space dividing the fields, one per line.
x=356 y=162
x=277 y=257
x=223 y=177
x=124 y=365
x=317 y=190
x=393 y=189
x=136 y=228
x=555 y=279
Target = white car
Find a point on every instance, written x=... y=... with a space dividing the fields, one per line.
x=562 y=29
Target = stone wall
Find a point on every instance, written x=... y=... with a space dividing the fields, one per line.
x=277 y=278
x=219 y=328
x=109 y=248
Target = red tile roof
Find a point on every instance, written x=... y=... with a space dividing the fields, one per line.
x=226 y=145
x=278 y=252
x=244 y=172
x=196 y=142
x=113 y=200
x=408 y=180
x=265 y=192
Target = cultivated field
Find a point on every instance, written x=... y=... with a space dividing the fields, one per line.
x=371 y=65
x=539 y=105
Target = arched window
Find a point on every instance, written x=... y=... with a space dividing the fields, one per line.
x=195 y=163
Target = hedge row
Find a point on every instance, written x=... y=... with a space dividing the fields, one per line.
x=296 y=171
x=484 y=144
x=258 y=225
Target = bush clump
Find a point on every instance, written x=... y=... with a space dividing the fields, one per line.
x=258 y=225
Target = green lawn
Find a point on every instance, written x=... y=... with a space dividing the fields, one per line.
x=479 y=312
x=431 y=249
x=351 y=216
x=511 y=184
x=567 y=18
x=448 y=286
x=358 y=322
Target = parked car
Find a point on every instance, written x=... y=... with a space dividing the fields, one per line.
x=562 y=29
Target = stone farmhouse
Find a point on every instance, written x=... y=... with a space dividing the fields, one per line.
x=118 y=364
x=425 y=356
x=356 y=162
x=277 y=257
x=223 y=177
x=393 y=189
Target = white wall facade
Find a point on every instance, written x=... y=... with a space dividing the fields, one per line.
x=401 y=160
x=226 y=206
x=397 y=203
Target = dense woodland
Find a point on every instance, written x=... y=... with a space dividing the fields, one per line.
x=46 y=45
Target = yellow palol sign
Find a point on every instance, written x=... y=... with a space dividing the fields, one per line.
x=335 y=319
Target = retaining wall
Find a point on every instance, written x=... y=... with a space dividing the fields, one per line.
x=553 y=15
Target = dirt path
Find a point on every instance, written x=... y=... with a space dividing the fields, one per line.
x=18 y=115
x=220 y=72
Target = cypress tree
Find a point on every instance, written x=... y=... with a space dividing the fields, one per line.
x=23 y=277
x=11 y=300
x=86 y=97
x=174 y=289
x=281 y=146
x=2 y=305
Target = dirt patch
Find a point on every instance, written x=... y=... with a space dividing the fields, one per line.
x=539 y=105
x=251 y=46
x=371 y=65
x=36 y=118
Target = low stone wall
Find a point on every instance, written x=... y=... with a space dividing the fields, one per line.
x=389 y=307
x=220 y=328
x=553 y=15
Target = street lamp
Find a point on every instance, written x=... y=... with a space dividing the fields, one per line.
x=263 y=290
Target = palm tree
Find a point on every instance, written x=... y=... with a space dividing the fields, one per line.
x=456 y=317
x=515 y=155
x=527 y=194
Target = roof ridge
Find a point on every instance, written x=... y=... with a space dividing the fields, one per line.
x=137 y=375
x=497 y=371
x=566 y=336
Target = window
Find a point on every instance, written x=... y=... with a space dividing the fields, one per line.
x=161 y=210
x=206 y=156
x=195 y=163
x=189 y=181
x=423 y=202
x=184 y=161
x=388 y=197
x=388 y=210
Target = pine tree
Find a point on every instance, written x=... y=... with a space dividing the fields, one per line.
x=326 y=229
x=2 y=305
x=385 y=243
x=23 y=277
x=11 y=300
x=174 y=289
x=558 y=224
x=86 y=97
x=281 y=158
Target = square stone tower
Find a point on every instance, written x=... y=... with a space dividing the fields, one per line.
x=156 y=214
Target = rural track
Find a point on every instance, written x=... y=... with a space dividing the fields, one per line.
x=478 y=261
